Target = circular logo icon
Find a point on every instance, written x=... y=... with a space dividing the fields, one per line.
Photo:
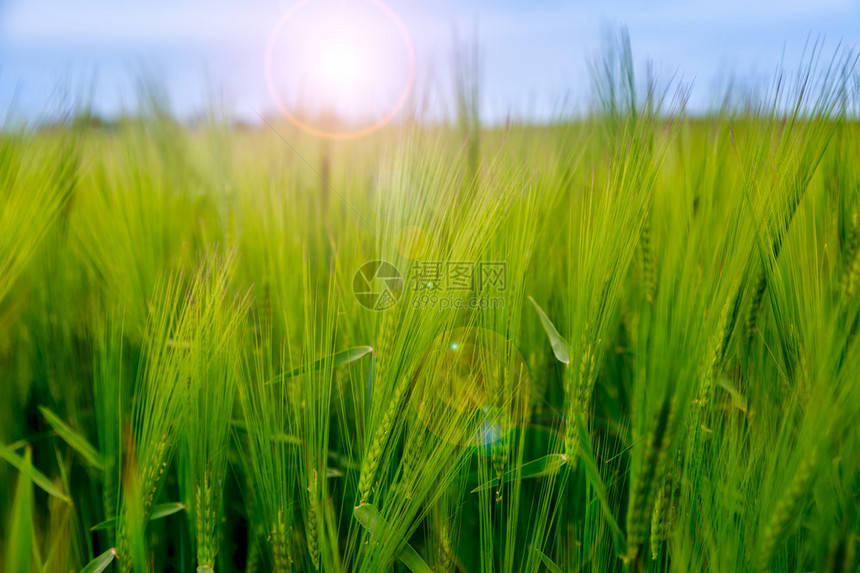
x=377 y=285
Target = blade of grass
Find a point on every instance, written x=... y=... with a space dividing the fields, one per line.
x=159 y=511
x=369 y=518
x=544 y=466
x=75 y=440
x=592 y=475
x=20 y=538
x=38 y=477
x=556 y=340
x=101 y=562
x=338 y=359
x=548 y=563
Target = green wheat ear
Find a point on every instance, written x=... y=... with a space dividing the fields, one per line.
x=660 y=515
x=281 y=540
x=378 y=441
x=756 y=305
x=647 y=476
x=649 y=268
x=787 y=506
x=311 y=531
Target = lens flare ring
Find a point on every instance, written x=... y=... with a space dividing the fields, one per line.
x=456 y=392
x=340 y=135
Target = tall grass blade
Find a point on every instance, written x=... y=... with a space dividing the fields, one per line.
x=74 y=439
x=38 y=478
x=20 y=525
x=100 y=563
x=338 y=359
x=370 y=519
x=558 y=343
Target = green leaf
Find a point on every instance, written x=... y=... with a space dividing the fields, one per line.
x=592 y=476
x=106 y=524
x=280 y=437
x=101 y=562
x=369 y=518
x=38 y=477
x=75 y=440
x=287 y=439
x=738 y=399
x=159 y=511
x=543 y=466
x=547 y=562
x=339 y=359
x=20 y=536
x=556 y=340
x=166 y=509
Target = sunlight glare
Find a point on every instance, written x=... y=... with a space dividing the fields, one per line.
x=340 y=68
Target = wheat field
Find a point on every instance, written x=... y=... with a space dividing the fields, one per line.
x=622 y=342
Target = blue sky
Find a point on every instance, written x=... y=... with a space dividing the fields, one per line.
x=534 y=54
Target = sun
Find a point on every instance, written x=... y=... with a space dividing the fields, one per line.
x=339 y=68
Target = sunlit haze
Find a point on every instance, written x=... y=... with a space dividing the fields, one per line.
x=353 y=61
x=339 y=66
x=347 y=57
